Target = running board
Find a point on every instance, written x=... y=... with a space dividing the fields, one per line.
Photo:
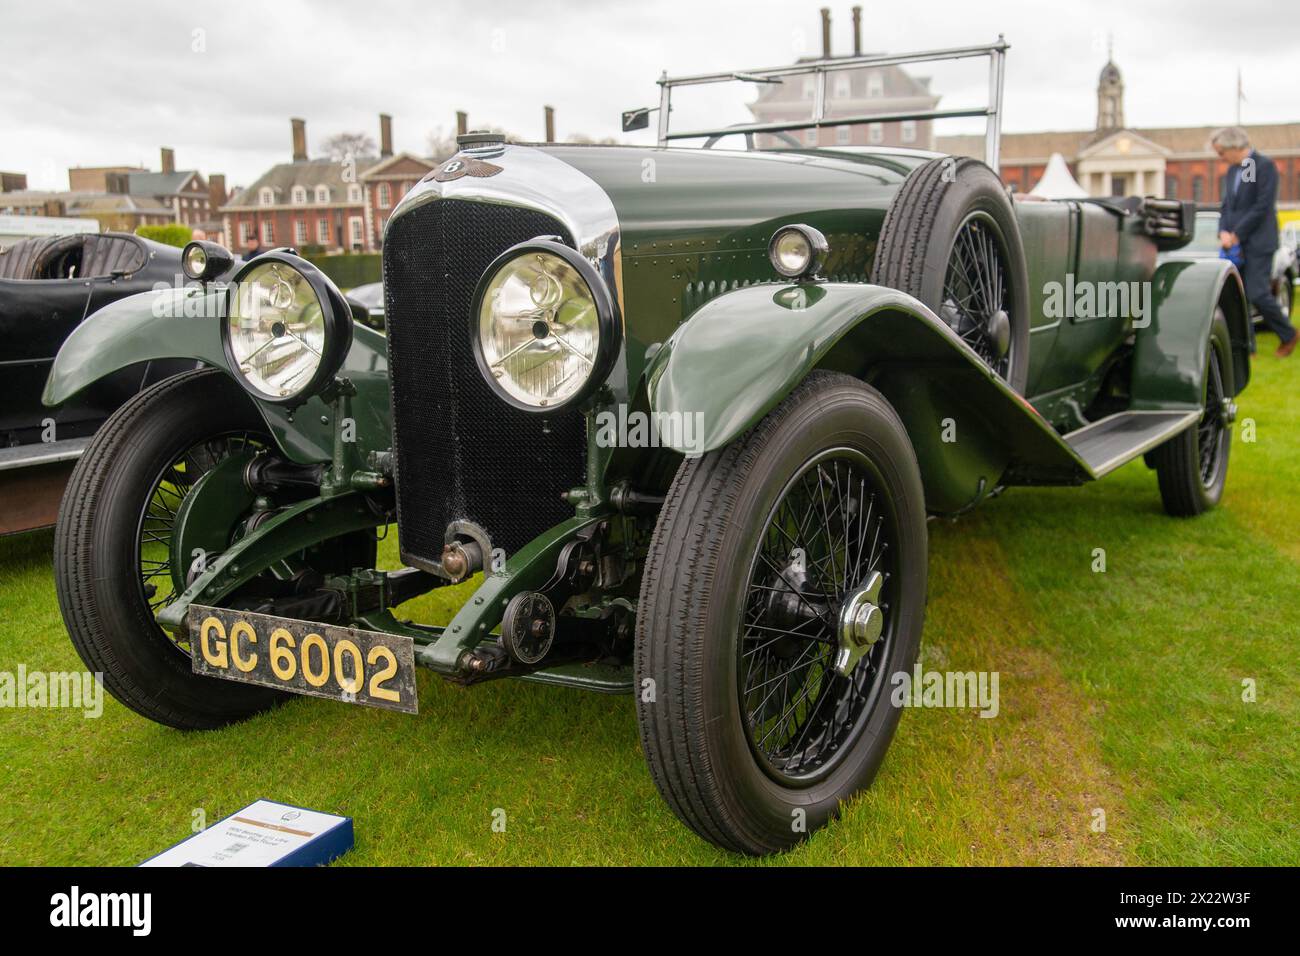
x=1110 y=442
x=42 y=453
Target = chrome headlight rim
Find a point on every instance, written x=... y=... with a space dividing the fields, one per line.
x=609 y=323
x=818 y=248
x=336 y=315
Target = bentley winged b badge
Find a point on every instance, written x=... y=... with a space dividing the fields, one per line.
x=459 y=166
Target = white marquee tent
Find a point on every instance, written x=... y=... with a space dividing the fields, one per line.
x=1057 y=183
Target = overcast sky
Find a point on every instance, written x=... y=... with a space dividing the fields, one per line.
x=109 y=83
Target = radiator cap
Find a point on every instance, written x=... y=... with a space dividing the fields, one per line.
x=480 y=137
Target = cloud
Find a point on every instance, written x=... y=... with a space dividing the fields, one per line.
x=92 y=85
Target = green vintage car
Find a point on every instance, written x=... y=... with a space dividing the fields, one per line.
x=687 y=410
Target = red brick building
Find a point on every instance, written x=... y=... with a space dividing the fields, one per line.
x=336 y=206
x=1114 y=159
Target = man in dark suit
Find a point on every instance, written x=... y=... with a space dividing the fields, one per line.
x=1249 y=218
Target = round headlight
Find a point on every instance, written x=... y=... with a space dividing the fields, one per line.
x=196 y=261
x=287 y=328
x=205 y=260
x=797 y=251
x=545 y=332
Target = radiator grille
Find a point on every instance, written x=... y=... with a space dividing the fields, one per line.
x=461 y=452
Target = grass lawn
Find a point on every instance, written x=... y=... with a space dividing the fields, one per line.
x=1121 y=694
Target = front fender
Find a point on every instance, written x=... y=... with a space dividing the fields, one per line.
x=1170 y=353
x=186 y=324
x=739 y=355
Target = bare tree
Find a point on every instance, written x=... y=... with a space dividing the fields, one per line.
x=585 y=140
x=340 y=146
x=440 y=144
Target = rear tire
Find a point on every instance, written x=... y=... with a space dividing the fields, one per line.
x=97 y=565
x=703 y=618
x=1192 y=467
x=948 y=215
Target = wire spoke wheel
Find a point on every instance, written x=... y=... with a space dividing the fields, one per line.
x=829 y=531
x=1210 y=430
x=157 y=526
x=977 y=301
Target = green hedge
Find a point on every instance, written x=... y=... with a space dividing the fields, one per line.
x=172 y=234
x=350 y=269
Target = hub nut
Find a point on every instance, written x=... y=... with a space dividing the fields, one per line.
x=861 y=624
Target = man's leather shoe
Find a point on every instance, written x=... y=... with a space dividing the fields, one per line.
x=1286 y=348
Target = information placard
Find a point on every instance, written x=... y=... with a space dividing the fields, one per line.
x=264 y=833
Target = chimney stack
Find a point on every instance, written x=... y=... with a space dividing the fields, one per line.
x=168 y=160
x=550 y=124
x=462 y=122
x=216 y=191
x=826 y=32
x=385 y=136
x=299 y=139
x=857 y=31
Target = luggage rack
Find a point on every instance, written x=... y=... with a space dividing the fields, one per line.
x=992 y=112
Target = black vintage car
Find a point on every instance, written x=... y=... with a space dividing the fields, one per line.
x=48 y=285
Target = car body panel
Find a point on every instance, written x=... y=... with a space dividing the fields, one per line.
x=1170 y=354
x=742 y=353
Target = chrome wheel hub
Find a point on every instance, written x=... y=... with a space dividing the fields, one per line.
x=861 y=624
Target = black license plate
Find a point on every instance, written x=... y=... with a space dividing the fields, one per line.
x=321 y=660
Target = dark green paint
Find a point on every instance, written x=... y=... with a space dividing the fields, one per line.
x=207 y=517
x=289 y=531
x=738 y=356
x=1169 y=361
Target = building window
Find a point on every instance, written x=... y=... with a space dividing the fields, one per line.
x=810 y=137
x=323 y=231
x=357 y=230
x=909 y=131
x=875 y=133
x=299 y=195
x=843 y=86
x=875 y=84
x=1171 y=187
x=1198 y=188
x=266 y=196
x=268 y=232
x=245 y=231
x=322 y=194
x=385 y=196
x=354 y=193
x=300 y=231
x=843 y=135
x=809 y=87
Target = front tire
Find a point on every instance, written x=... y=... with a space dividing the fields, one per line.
x=109 y=547
x=785 y=525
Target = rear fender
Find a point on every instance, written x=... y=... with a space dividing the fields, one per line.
x=185 y=324
x=739 y=355
x=1170 y=353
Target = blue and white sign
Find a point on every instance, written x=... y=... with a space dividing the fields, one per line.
x=264 y=833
